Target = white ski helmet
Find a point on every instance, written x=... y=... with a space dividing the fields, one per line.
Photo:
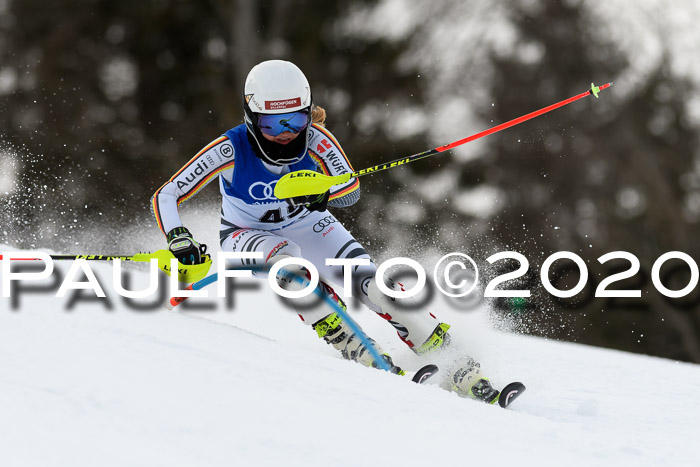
x=277 y=98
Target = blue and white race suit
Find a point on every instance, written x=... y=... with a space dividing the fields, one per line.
x=254 y=220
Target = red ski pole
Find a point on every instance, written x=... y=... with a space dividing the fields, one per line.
x=307 y=182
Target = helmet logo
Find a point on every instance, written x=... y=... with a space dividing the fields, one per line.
x=250 y=100
x=283 y=104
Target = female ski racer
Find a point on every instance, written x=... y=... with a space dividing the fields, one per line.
x=282 y=133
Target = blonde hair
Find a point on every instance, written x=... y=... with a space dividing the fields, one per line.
x=318 y=115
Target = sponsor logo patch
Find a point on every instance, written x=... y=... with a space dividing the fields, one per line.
x=322 y=146
x=323 y=223
x=261 y=191
x=193 y=173
x=226 y=150
x=283 y=104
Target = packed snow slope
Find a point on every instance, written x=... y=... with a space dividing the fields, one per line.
x=253 y=386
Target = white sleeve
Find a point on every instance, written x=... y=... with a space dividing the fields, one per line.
x=213 y=159
x=331 y=158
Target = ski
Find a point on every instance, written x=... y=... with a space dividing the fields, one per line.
x=509 y=393
x=505 y=397
x=425 y=373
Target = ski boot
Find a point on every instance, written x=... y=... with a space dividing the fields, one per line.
x=466 y=380
x=438 y=340
x=336 y=333
x=464 y=376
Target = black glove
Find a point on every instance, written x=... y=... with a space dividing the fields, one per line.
x=312 y=202
x=184 y=247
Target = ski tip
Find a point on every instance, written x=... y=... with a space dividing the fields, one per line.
x=509 y=393
x=425 y=373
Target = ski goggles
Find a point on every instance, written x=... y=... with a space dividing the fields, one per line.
x=275 y=124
